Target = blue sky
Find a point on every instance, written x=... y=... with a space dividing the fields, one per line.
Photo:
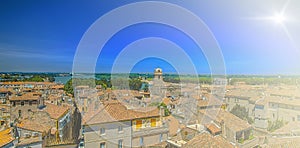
x=42 y=36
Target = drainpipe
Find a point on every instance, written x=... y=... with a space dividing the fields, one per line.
x=131 y=134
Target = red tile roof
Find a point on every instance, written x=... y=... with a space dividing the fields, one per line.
x=56 y=111
x=33 y=126
x=26 y=96
x=209 y=141
x=213 y=128
x=173 y=125
x=231 y=121
x=115 y=111
x=5 y=137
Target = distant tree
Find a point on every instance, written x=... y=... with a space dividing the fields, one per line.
x=104 y=82
x=165 y=108
x=154 y=104
x=135 y=84
x=51 y=79
x=35 y=78
x=120 y=83
x=272 y=126
x=146 y=88
x=69 y=87
x=242 y=113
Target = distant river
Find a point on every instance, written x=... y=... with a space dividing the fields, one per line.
x=63 y=80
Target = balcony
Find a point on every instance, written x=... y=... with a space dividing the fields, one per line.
x=150 y=131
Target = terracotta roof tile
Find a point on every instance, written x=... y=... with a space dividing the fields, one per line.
x=231 y=121
x=26 y=96
x=166 y=101
x=33 y=126
x=6 y=90
x=173 y=125
x=56 y=111
x=207 y=140
x=5 y=137
x=115 y=111
x=209 y=101
x=213 y=128
x=57 y=87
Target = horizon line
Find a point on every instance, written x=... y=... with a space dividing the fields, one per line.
x=227 y=74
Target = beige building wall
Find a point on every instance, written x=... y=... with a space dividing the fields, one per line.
x=283 y=112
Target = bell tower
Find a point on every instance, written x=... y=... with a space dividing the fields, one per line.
x=158 y=74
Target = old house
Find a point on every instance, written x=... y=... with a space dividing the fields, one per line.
x=115 y=125
x=22 y=104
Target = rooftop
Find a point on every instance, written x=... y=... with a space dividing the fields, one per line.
x=56 y=111
x=24 y=83
x=115 y=111
x=173 y=125
x=281 y=100
x=209 y=101
x=26 y=96
x=213 y=128
x=207 y=140
x=5 y=137
x=231 y=121
x=33 y=126
x=289 y=128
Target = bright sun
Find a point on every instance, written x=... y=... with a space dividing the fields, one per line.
x=278 y=18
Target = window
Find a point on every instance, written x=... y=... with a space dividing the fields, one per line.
x=141 y=141
x=30 y=103
x=139 y=124
x=160 y=137
x=22 y=103
x=102 y=131
x=102 y=145
x=236 y=100
x=20 y=113
x=120 y=144
x=153 y=122
x=261 y=107
x=120 y=129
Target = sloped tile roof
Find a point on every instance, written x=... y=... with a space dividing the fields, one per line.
x=27 y=96
x=208 y=141
x=33 y=126
x=115 y=111
x=56 y=111
x=231 y=121
x=5 y=137
x=213 y=128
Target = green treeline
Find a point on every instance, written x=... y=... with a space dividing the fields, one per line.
x=116 y=83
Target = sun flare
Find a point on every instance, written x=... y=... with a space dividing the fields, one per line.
x=278 y=18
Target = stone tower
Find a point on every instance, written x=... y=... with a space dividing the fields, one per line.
x=157 y=87
x=158 y=74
